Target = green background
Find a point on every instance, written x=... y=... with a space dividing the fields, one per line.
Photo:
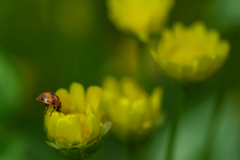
x=46 y=45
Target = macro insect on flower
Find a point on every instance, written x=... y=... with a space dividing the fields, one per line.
x=50 y=99
x=77 y=131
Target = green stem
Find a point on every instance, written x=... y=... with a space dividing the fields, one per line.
x=213 y=127
x=175 y=126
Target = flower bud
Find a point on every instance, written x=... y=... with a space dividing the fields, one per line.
x=77 y=131
x=133 y=112
x=191 y=54
x=140 y=17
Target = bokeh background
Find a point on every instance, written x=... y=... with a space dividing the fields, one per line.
x=48 y=44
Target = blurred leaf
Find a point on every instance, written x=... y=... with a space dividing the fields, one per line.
x=225 y=13
x=227 y=140
x=11 y=88
x=12 y=147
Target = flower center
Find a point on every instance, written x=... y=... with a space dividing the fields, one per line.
x=85 y=131
x=186 y=55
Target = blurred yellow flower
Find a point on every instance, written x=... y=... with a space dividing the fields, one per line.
x=79 y=126
x=133 y=112
x=191 y=54
x=140 y=17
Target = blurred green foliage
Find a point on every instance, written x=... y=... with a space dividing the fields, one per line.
x=11 y=86
x=47 y=44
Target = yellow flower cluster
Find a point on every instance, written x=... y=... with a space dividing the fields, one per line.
x=80 y=125
x=192 y=53
x=132 y=111
x=140 y=17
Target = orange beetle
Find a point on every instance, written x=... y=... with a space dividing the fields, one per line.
x=50 y=99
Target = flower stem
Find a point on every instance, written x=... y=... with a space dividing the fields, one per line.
x=175 y=126
x=213 y=127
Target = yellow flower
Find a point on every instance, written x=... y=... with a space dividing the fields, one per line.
x=133 y=112
x=79 y=126
x=191 y=54
x=140 y=17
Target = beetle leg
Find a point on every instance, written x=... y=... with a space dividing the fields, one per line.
x=52 y=111
x=46 y=108
x=59 y=108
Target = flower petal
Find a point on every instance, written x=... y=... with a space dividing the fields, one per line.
x=62 y=142
x=77 y=92
x=131 y=89
x=68 y=104
x=94 y=96
x=48 y=121
x=137 y=114
x=92 y=123
x=110 y=88
x=51 y=144
x=68 y=127
x=105 y=128
x=156 y=98
x=121 y=113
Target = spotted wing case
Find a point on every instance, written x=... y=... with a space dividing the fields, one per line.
x=49 y=98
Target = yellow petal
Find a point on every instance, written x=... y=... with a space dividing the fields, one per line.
x=156 y=98
x=68 y=127
x=48 y=121
x=110 y=88
x=78 y=94
x=94 y=96
x=131 y=89
x=62 y=142
x=68 y=104
x=223 y=48
x=137 y=113
x=121 y=116
x=110 y=83
x=92 y=123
